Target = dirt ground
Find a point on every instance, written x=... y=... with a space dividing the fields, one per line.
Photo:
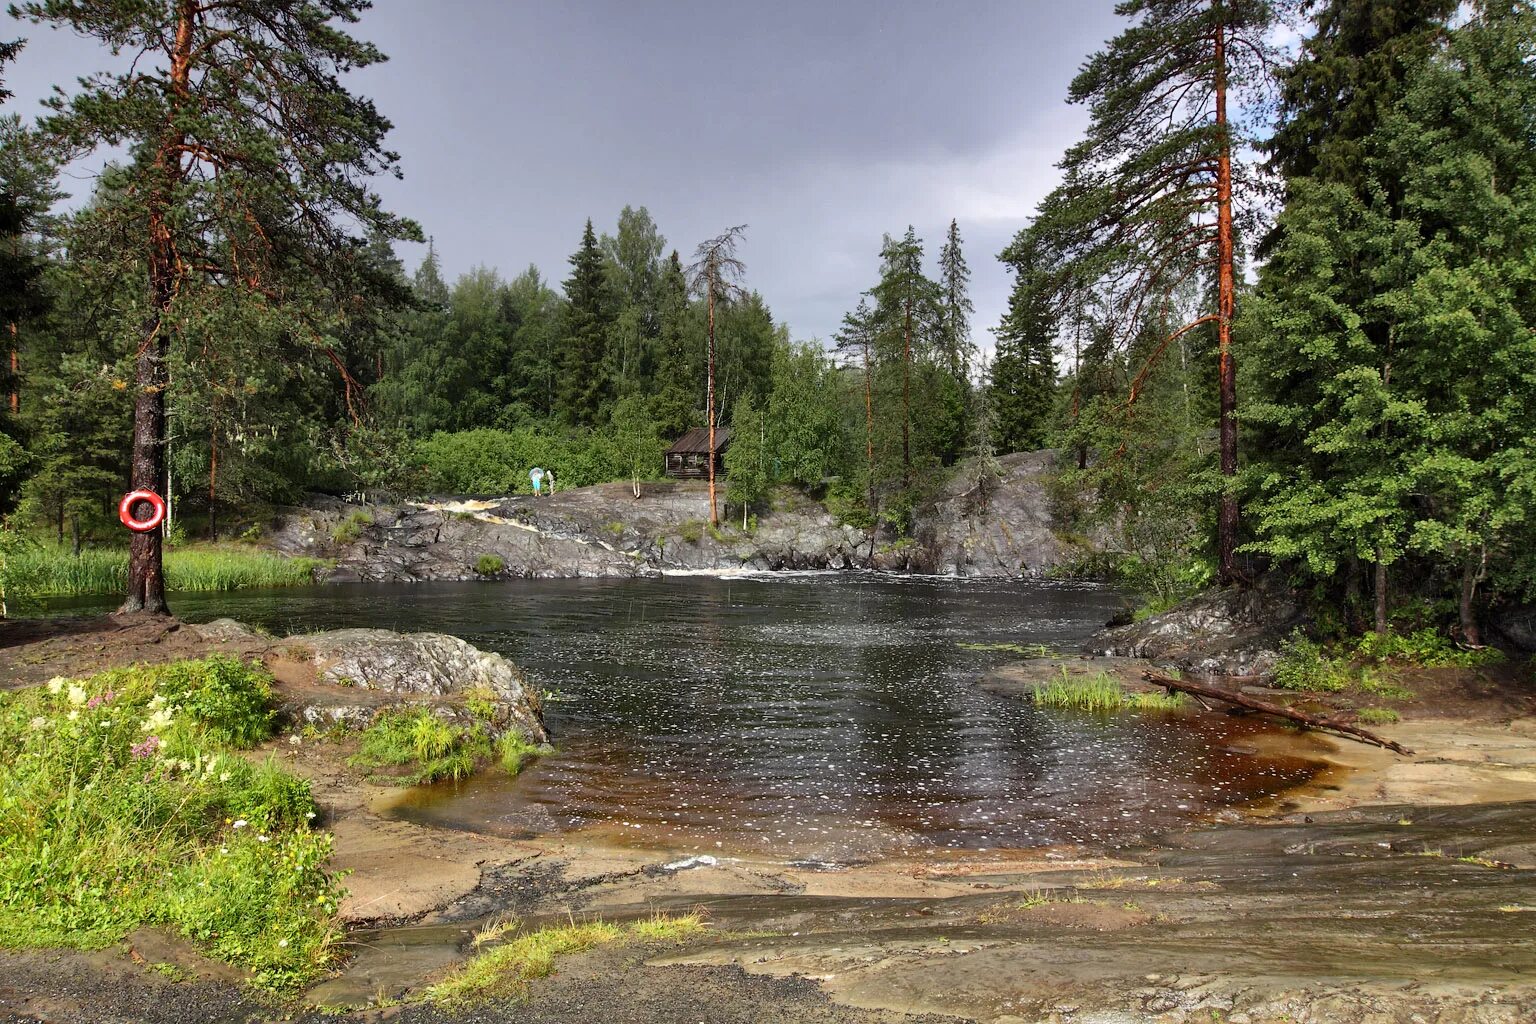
x=1391 y=890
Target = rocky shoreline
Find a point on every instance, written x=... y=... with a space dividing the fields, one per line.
x=606 y=531
x=1221 y=921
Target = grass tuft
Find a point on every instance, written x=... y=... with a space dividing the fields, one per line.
x=1378 y=716
x=505 y=971
x=490 y=565
x=429 y=749
x=1100 y=692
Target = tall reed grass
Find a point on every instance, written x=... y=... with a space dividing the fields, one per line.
x=1100 y=692
x=48 y=571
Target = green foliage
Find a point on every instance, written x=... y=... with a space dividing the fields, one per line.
x=1304 y=666
x=746 y=460
x=426 y=747
x=513 y=751
x=1393 y=330
x=1022 y=388
x=126 y=804
x=1428 y=647
x=490 y=565
x=1378 y=716
x=691 y=530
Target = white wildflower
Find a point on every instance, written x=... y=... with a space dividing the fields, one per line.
x=241 y=823
x=56 y=684
x=157 y=702
x=73 y=716
x=38 y=723
x=262 y=839
x=223 y=776
x=184 y=765
x=77 y=694
x=157 y=722
x=282 y=943
x=309 y=815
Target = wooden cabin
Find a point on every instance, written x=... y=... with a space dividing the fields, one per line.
x=687 y=459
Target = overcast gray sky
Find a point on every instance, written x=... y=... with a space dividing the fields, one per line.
x=820 y=125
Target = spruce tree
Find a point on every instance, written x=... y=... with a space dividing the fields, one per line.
x=956 y=349
x=584 y=380
x=1397 y=321
x=908 y=317
x=248 y=174
x=1023 y=378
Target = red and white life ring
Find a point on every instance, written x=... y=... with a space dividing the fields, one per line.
x=156 y=514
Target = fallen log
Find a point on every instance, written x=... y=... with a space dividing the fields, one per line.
x=1242 y=700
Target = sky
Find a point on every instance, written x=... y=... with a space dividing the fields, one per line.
x=819 y=125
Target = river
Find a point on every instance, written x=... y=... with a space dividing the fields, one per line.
x=822 y=717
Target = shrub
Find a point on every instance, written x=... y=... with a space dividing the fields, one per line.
x=490 y=565
x=351 y=528
x=1304 y=666
x=1378 y=716
x=1427 y=647
x=125 y=805
x=691 y=531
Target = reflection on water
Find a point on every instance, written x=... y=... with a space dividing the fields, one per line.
x=820 y=716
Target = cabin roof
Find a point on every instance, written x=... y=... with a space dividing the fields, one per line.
x=696 y=441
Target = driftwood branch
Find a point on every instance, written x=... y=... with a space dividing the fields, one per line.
x=1242 y=700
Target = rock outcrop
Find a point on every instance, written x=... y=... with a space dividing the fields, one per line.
x=1002 y=529
x=1233 y=631
x=348 y=676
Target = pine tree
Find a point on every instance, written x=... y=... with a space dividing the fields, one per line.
x=1147 y=201
x=584 y=382
x=248 y=168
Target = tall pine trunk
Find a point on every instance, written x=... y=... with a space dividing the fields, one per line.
x=1226 y=515
x=146 y=571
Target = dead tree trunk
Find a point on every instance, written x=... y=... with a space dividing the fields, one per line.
x=1242 y=700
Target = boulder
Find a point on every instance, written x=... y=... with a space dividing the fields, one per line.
x=1230 y=631
x=425 y=669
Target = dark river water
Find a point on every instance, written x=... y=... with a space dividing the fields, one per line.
x=819 y=716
